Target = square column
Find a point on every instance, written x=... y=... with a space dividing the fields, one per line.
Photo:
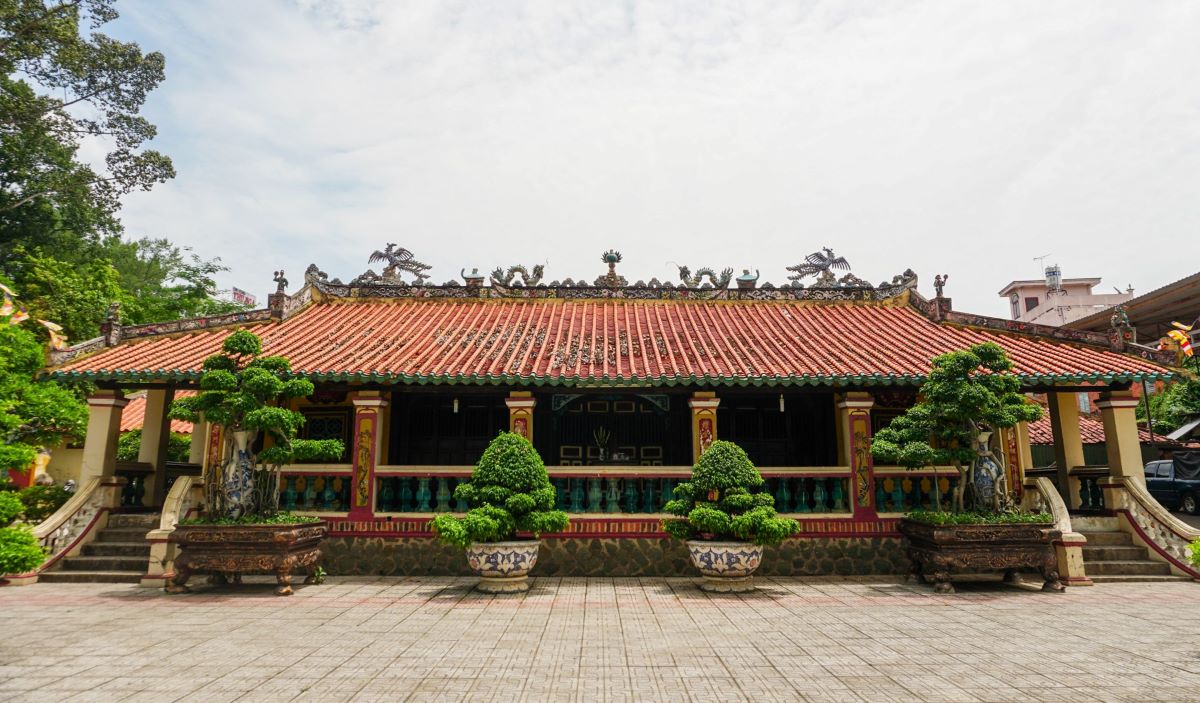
x=156 y=435
x=854 y=449
x=199 y=443
x=704 y=421
x=520 y=413
x=1018 y=456
x=1117 y=409
x=1068 y=446
x=369 y=417
x=103 y=429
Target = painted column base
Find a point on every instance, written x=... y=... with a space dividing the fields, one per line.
x=499 y=584
x=727 y=584
x=1071 y=570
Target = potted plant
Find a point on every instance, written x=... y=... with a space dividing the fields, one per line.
x=509 y=494
x=725 y=520
x=242 y=529
x=968 y=395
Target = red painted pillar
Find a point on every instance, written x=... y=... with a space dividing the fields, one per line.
x=369 y=417
x=854 y=450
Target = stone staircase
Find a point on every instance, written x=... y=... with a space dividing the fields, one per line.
x=1111 y=556
x=119 y=554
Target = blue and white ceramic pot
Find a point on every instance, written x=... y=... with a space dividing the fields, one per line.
x=503 y=567
x=727 y=567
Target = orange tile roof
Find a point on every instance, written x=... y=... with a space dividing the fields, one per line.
x=610 y=342
x=1091 y=431
x=134 y=414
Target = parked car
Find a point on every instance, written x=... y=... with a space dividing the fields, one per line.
x=1172 y=487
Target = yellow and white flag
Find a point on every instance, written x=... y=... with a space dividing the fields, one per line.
x=58 y=341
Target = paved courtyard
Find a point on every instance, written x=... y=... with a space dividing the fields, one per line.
x=434 y=639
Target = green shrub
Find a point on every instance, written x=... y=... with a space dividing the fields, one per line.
x=19 y=549
x=41 y=501
x=1011 y=517
x=509 y=492
x=1194 y=551
x=11 y=507
x=718 y=503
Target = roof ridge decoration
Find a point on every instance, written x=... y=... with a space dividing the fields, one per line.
x=519 y=281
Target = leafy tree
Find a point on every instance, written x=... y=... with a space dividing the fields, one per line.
x=67 y=82
x=161 y=281
x=967 y=392
x=32 y=414
x=509 y=492
x=238 y=390
x=75 y=296
x=721 y=501
x=179 y=446
x=1178 y=404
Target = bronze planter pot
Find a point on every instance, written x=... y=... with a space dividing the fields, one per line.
x=228 y=551
x=940 y=551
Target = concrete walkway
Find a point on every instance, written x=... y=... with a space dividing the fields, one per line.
x=433 y=639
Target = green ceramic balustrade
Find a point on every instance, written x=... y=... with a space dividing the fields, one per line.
x=901 y=494
x=418 y=494
x=315 y=492
x=801 y=494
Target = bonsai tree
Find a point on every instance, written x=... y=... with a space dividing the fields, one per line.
x=19 y=549
x=722 y=501
x=238 y=389
x=509 y=492
x=968 y=392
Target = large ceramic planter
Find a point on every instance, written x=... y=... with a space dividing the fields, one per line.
x=938 y=552
x=727 y=567
x=503 y=567
x=228 y=551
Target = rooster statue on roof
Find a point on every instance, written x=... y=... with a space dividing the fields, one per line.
x=818 y=263
x=399 y=259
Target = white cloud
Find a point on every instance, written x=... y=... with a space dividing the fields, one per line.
x=946 y=137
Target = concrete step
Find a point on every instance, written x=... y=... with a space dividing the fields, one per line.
x=91 y=576
x=121 y=534
x=149 y=521
x=1090 y=523
x=1136 y=578
x=1127 y=568
x=1106 y=538
x=82 y=563
x=117 y=549
x=1115 y=553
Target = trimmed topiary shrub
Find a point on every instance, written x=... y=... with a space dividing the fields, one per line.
x=509 y=492
x=19 y=549
x=721 y=501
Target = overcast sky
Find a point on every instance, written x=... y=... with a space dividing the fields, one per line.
x=949 y=137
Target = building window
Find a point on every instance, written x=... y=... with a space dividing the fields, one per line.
x=1015 y=303
x=1085 y=402
x=333 y=423
x=1031 y=303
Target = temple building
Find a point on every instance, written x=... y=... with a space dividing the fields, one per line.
x=620 y=387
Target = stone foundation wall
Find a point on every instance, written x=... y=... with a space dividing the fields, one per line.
x=417 y=556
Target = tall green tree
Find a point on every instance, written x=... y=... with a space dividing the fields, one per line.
x=32 y=415
x=66 y=82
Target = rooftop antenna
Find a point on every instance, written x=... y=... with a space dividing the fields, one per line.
x=1042 y=261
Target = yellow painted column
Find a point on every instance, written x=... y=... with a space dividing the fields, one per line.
x=156 y=435
x=370 y=433
x=1068 y=446
x=704 y=421
x=854 y=448
x=520 y=413
x=103 y=429
x=1117 y=409
x=199 y=442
